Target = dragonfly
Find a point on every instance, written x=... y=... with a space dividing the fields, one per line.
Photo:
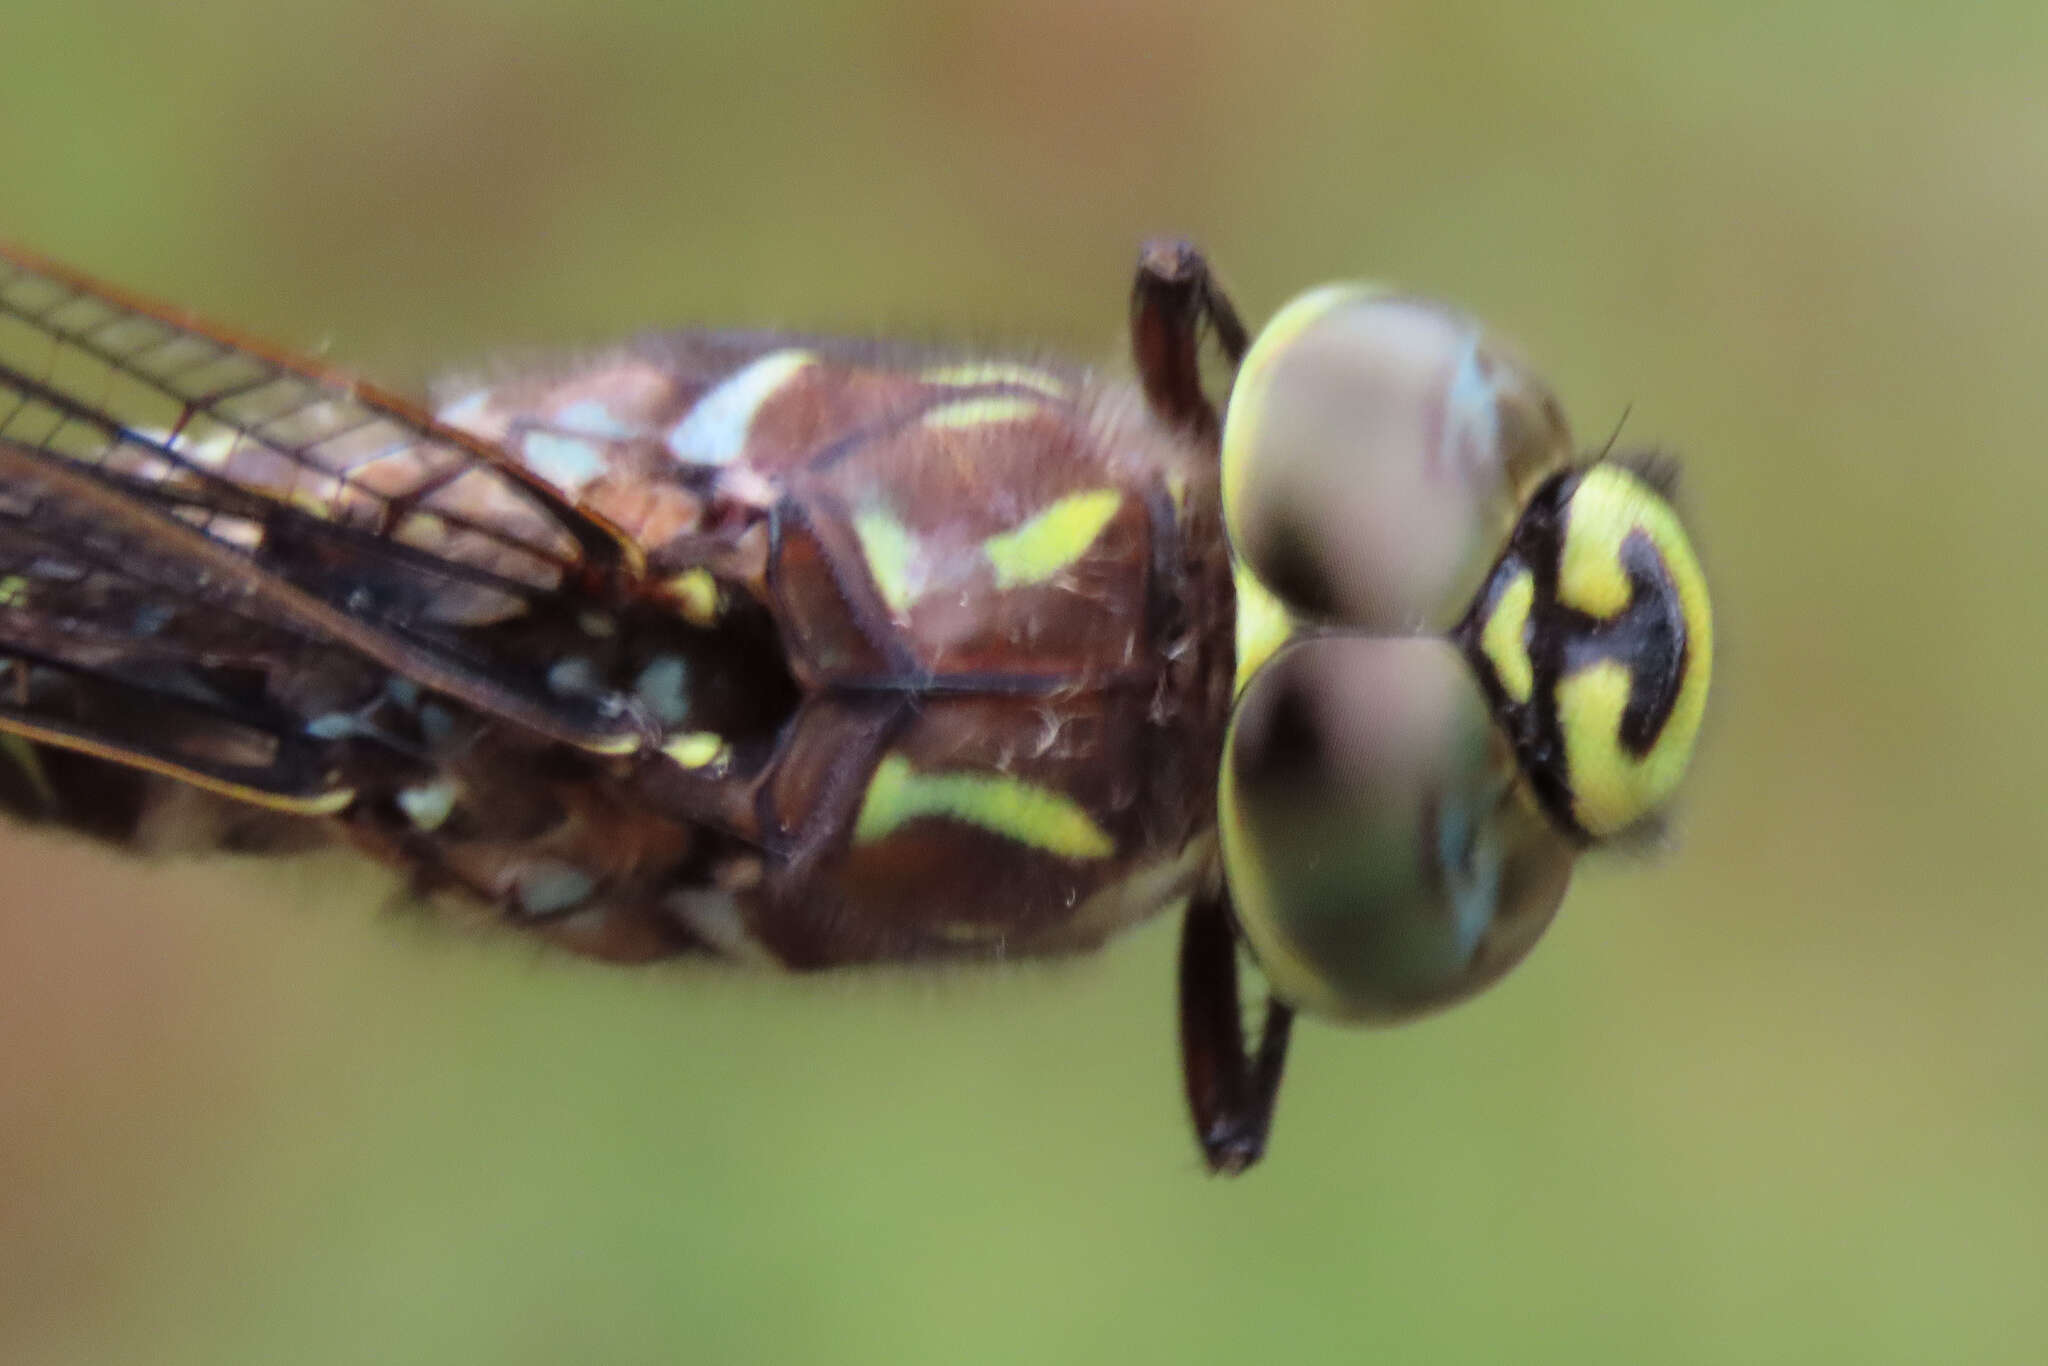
x=812 y=652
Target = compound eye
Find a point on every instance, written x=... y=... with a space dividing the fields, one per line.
x=1375 y=453
x=1381 y=857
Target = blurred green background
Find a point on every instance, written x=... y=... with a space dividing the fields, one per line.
x=1778 y=1095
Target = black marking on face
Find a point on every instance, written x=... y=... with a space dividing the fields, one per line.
x=1648 y=637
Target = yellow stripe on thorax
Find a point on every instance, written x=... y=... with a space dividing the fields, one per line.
x=890 y=549
x=1042 y=819
x=1041 y=547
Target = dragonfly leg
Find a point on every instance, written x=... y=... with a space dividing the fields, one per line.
x=1174 y=295
x=1231 y=1091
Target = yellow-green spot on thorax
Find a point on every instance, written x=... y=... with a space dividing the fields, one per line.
x=1504 y=637
x=1042 y=819
x=1055 y=538
x=890 y=550
x=13 y=590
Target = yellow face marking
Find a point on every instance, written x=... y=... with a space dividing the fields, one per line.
x=714 y=431
x=1608 y=504
x=983 y=412
x=976 y=373
x=1606 y=781
x=898 y=794
x=696 y=749
x=1504 y=638
x=695 y=595
x=1040 y=548
x=1263 y=625
x=1611 y=788
x=611 y=744
x=892 y=553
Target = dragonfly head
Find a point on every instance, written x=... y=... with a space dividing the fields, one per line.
x=1462 y=657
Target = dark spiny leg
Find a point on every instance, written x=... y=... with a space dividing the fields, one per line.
x=1172 y=297
x=1230 y=1094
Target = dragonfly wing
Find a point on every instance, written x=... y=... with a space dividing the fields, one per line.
x=204 y=474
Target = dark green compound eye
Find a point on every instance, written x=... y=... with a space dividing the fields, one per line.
x=1376 y=453
x=1381 y=858
x=1460 y=659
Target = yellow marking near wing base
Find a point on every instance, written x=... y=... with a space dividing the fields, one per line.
x=1040 y=548
x=696 y=749
x=695 y=594
x=1042 y=819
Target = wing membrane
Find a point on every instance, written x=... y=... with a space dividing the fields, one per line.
x=117 y=647
x=182 y=472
